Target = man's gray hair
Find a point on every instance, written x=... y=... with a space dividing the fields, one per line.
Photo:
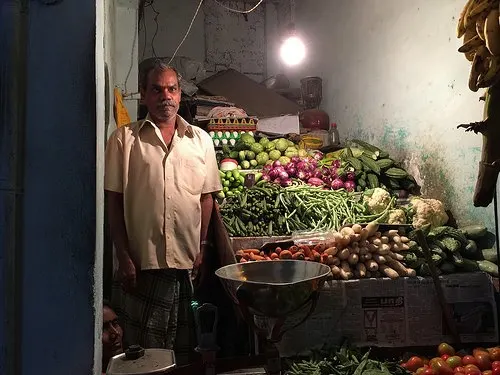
x=154 y=64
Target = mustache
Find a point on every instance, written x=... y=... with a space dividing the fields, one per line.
x=167 y=102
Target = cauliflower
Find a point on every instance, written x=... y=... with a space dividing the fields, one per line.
x=428 y=211
x=377 y=201
x=397 y=216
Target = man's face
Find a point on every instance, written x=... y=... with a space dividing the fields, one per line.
x=111 y=334
x=162 y=94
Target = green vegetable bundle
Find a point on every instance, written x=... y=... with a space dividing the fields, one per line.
x=269 y=210
x=344 y=361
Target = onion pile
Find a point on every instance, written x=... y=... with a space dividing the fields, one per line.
x=307 y=170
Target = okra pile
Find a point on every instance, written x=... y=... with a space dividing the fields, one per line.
x=270 y=210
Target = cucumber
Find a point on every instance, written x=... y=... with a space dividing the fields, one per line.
x=447 y=267
x=469 y=265
x=490 y=255
x=474 y=232
x=471 y=251
x=488 y=267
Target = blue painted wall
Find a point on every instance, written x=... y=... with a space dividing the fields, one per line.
x=59 y=234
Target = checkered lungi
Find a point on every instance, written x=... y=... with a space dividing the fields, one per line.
x=158 y=314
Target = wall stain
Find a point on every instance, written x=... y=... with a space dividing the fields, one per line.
x=423 y=157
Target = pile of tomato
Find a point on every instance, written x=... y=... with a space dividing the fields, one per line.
x=448 y=362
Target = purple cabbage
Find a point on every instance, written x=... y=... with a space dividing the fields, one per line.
x=318 y=155
x=336 y=163
x=287 y=182
x=276 y=164
x=351 y=176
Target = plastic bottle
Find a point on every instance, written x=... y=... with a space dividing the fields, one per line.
x=334 y=135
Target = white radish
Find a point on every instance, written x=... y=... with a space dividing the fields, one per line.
x=384 y=239
x=380 y=259
x=363 y=250
x=405 y=239
x=371 y=265
x=388 y=271
x=384 y=249
x=373 y=248
x=357 y=228
x=331 y=251
x=396 y=239
x=371 y=228
x=368 y=256
x=363 y=235
x=344 y=254
x=360 y=267
x=345 y=271
x=398 y=267
x=335 y=271
x=376 y=241
x=353 y=259
x=396 y=256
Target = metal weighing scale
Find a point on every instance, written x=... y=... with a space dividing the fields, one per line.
x=274 y=289
x=266 y=289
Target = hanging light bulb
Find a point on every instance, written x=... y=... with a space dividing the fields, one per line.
x=293 y=50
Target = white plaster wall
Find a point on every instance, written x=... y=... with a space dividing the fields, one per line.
x=219 y=38
x=173 y=18
x=126 y=52
x=392 y=75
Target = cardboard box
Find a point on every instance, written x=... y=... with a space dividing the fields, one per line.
x=395 y=313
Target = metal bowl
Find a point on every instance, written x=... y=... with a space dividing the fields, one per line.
x=273 y=288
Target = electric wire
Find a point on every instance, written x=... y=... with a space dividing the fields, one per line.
x=187 y=32
x=240 y=11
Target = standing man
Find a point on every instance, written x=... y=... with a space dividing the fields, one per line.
x=160 y=176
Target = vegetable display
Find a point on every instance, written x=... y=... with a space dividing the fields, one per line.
x=354 y=252
x=453 y=250
x=270 y=210
x=344 y=361
x=479 y=361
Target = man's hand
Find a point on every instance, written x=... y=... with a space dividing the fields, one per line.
x=127 y=274
x=197 y=262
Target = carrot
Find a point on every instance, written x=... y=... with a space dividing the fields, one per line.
x=267 y=258
x=331 y=251
x=243 y=260
x=299 y=255
x=278 y=250
x=262 y=254
x=323 y=258
x=256 y=257
x=252 y=251
x=306 y=250
x=285 y=254
x=320 y=247
x=316 y=256
x=240 y=253
x=293 y=249
x=274 y=256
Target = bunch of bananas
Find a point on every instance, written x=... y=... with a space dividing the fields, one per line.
x=479 y=25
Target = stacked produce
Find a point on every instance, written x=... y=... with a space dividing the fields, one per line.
x=233 y=182
x=344 y=361
x=354 y=252
x=253 y=155
x=307 y=170
x=479 y=361
x=372 y=167
x=453 y=250
x=480 y=28
x=270 y=210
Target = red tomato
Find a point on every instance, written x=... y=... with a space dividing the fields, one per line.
x=487 y=372
x=420 y=371
x=494 y=353
x=429 y=371
x=483 y=360
x=444 y=357
x=440 y=366
x=495 y=364
x=495 y=370
x=469 y=360
x=445 y=348
x=472 y=370
x=454 y=361
x=459 y=369
x=414 y=363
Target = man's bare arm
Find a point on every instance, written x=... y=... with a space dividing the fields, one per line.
x=207 y=204
x=117 y=224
